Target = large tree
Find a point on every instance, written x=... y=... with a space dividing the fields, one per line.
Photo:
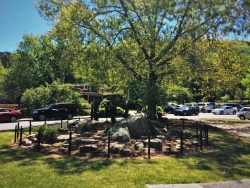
x=146 y=35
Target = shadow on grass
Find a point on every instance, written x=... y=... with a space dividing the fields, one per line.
x=227 y=155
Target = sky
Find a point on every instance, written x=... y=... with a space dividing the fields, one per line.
x=19 y=17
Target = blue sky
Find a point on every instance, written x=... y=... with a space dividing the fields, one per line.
x=19 y=17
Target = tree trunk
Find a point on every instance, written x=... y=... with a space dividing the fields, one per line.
x=152 y=96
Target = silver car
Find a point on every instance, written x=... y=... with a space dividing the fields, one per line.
x=244 y=113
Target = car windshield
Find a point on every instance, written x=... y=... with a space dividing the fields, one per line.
x=220 y=107
x=48 y=106
x=184 y=107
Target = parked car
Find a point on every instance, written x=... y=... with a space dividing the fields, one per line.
x=225 y=110
x=244 y=113
x=170 y=108
x=56 y=111
x=195 y=106
x=185 y=110
x=207 y=107
x=237 y=105
x=9 y=115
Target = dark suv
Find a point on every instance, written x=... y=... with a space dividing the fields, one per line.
x=56 y=111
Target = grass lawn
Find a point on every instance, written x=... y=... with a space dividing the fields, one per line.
x=227 y=158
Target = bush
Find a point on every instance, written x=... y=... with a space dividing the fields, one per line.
x=49 y=133
x=225 y=98
x=158 y=109
x=54 y=93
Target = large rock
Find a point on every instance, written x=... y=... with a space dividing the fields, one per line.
x=32 y=138
x=87 y=149
x=138 y=126
x=87 y=126
x=154 y=143
x=79 y=141
x=72 y=123
x=116 y=148
x=138 y=146
x=120 y=134
x=26 y=142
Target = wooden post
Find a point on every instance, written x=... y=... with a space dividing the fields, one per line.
x=21 y=136
x=196 y=128
x=109 y=145
x=70 y=139
x=181 y=137
x=39 y=140
x=30 y=128
x=79 y=118
x=15 y=134
x=61 y=123
x=167 y=123
x=183 y=124
x=18 y=129
x=149 y=146
x=201 y=138
x=45 y=120
x=206 y=134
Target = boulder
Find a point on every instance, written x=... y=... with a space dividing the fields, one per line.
x=116 y=148
x=87 y=149
x=72 y=123
x=154 y=143
x=26 y=142
x=138 y=126
x=87 y=126
x=79 y=141
x=120 y=134
x=32 y=138
x=87 y=134
x=125 y=152
x=62 y=138
x=138 y=146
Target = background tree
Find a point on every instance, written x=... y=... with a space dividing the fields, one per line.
x=157 y=28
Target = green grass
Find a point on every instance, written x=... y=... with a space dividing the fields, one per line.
x=227 y=158
x=226 y=120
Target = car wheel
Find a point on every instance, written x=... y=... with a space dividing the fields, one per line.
x=197 y=113
x=42 y=117
x=70 y=116
x=209 y=111
x=221 y=113
x=13 y=119
x=242 y=117
x=234 y=112
x=184 y=113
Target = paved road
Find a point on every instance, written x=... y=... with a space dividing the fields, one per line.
x=25 y=124
x=204 y=115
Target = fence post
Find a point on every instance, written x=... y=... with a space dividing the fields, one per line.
x=181 y=137
x=167 y=123
x=30 y=128
x=39 y=140
x=45 y=120
x=15 y=134
x=67 y=123
x=206 y=134
x=18 y=129
x=201 y=138
x=21 y=136
x=196 y=128
x=61 y=123
x=109 y=145
x=149 y=146
x=79 y=118
x=183 y=124
x=70 y=139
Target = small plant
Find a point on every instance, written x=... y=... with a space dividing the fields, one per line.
x=48 y=133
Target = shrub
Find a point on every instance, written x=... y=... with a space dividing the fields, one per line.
x=158 y=109
x=48 y=133
x=53 y=93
